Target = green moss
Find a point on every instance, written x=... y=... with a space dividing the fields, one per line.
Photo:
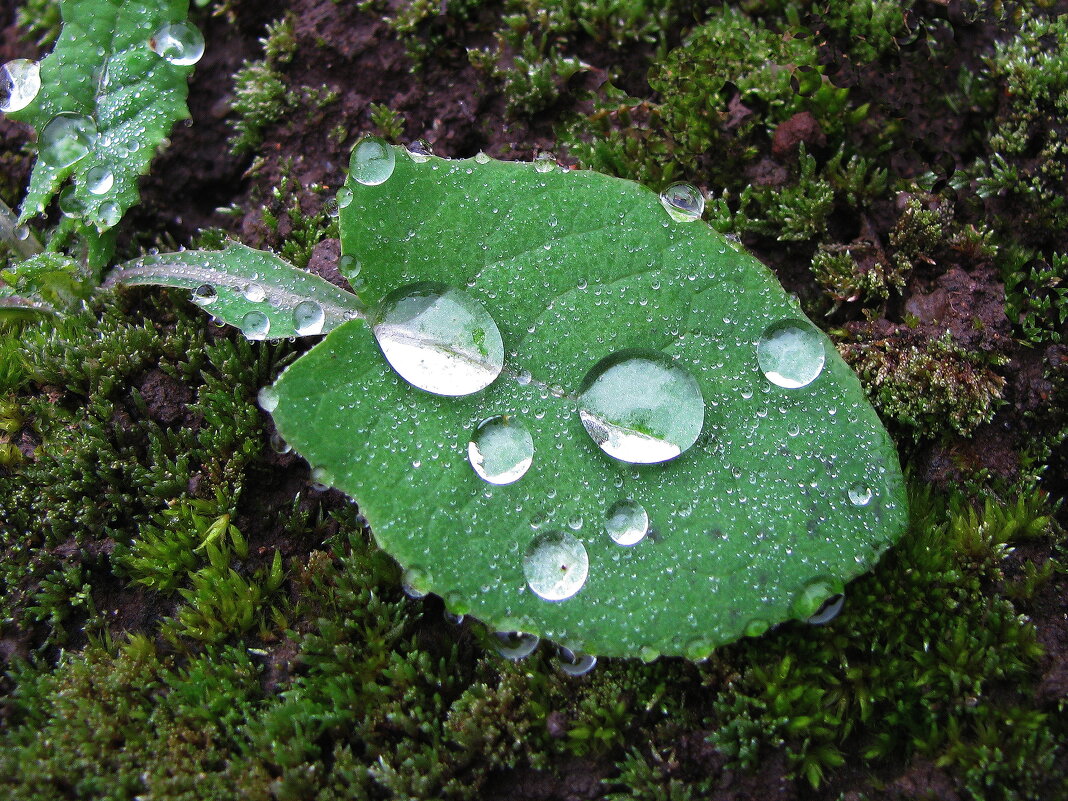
x=262 y=95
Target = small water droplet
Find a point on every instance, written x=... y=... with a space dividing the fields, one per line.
x=420 y=151
x=66 y=139
x=439 y=339
x=545 y=162
x=516 y=645
x=70 y=204
x=331 y=207
x=501 y=450
x=372 y=161
x=256 y=325
x=648 y=654
x=860 y=495
x=279 y=445
x=254 y=293
x=180 y=43
x=204 y=294
x=684 y=203
x=22 y=233
x=829 y=610
x=99 y=180
x=344 y=197
x=575 y=523
x=349 y=266
x=267 y=398
x=555 y=565
x=482 y=158
x=627 y=522
x=320 y=478
x=413 y=581
x=791 y=353
x=574 y=664
x=813 y=596
x=108 y=215
x=524 y=378
x=641 y=407
x=308 y=318
x=20 y=81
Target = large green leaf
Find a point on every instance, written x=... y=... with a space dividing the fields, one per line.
x=103 y=69
x=787 y=493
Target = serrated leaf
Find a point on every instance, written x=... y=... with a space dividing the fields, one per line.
x=786 y=494
x=263 y=295
x=102 y=68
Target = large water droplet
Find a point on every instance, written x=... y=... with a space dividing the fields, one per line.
x=791 y=353
x=829 y=610
x=70 y=204
x=439 y=339
x=99 y=180
x=256 y=325
x=683 y=202
x=109 y=215
x=813 y=596
x=501 y=450
x=420 y=151
x=641 y=407
x=20 y=81
x=344 y=197
x=860 y=495
x=308 y=318
x=556 y=565
x=545 y=162
x=254 y=293
x=574 y=664
x=267 y=398
x=204 y=294
x=372 y=161
x=180 y=43
x=413 y=583
x=516 y=644
x=627 y=522
x=67 y=138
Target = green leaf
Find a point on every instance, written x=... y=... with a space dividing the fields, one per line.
x=103 y=70
x=265 y=296
x=786 y=494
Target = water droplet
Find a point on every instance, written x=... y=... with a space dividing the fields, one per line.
x=860 y=495
x=813 y=596
x=204 y=294
x=70 y=204
x=413 y=581
x=641 y=407
x=256 y=325
x=524 y=378
x=321 y=480
x=627 y=522
x=331 y=207
x=344 y=197
x=267 y=398
x=683 y=202
x=109 y=215
x=516 y=644
x=482 y=158
x=574 y=664
x=501 y=450
x=99 y=180
x=452 y=617
x=648 y=654
x=439 y=339
x=349 y=266
x=791 y=353
x=22 y=233
x=180 y=43
x=372 y=161
x=756 y=627
x=556 y=565
x=254 y=293
x=20 y=81
x=308 y=318
x=545 y=162
x=279 y=445
x=829 y=610
x=66 y=139
x=420 y=151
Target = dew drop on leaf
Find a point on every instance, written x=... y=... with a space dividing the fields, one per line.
x=501 y=450
x=204 y=294
x=791 y=353
x=344 y=197
x=439 y=339
x=860 y=495
x=308 y=318
x=99 y=180
x=829 y=610
x=556 y=565
x=267 y=398
x=627 y=522
x=813 y=596
x=70 y=204
x=256 y=325
x=20 y=81
x=684 y=202
x=515 y=644
x=349 y=266
x=372 y=161
x=574 y=664
x=279 y=445
x=545 y=162
x=639 y=406
x=482 y=158
x=180 y=43
x=420 y=151
x=412 y=582
x=66 y=139
x=22 y=233
x=254 y=293
x=110 y=214
x=756 y=627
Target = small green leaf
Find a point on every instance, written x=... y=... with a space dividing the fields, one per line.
x=106 y=103
x=263 y=295
x=769 y=479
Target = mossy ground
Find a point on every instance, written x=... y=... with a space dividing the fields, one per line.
x=185 y=616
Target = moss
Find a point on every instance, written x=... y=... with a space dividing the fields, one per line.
x=262 y=94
